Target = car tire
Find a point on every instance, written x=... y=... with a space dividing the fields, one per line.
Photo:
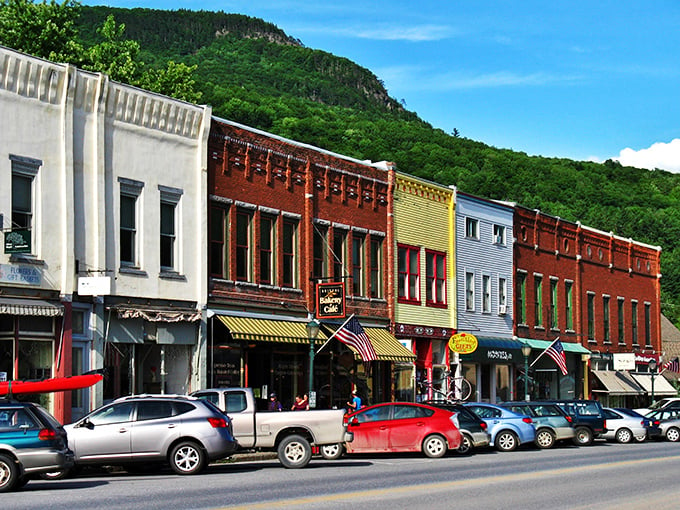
x=583 y=437
x=187 y=458
x=545 y=439
x=9 y=473
x=641 y=439
x=465 y=444
x=435 y=446
x=56 y=475
x=331 y=451
x=673 y=434
x=624 y=435
x=506 y=441
x=294 y=452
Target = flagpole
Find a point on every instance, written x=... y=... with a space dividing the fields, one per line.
x=334 y=333
x=542 y=353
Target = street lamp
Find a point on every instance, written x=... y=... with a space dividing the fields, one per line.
x=652 y=369
x=526 y=351
x=312 y=333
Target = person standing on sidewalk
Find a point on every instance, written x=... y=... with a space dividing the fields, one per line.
x=355 y=404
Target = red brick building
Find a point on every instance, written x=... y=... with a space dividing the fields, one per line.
x=598 y=292
x=283 y=217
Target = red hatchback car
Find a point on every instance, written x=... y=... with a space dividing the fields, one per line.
x=403 y=427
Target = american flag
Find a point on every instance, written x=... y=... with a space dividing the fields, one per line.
x=556 y=352
x=351 y=333
x=672 y=365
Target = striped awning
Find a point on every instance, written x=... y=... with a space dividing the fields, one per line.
x=20 y=306
x=267 y=330
x=387 y=347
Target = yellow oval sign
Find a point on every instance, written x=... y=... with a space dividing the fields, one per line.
x=463 y=343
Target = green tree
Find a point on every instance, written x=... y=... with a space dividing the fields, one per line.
x=45 y=29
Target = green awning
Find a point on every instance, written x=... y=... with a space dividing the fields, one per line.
x=544 y=344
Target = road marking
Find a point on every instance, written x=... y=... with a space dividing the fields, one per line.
x=429 y=487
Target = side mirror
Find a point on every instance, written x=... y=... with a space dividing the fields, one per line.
x=87 y=424
x=354 y=422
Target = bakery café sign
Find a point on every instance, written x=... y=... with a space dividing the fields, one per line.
x=330 y=300
x=463 y=343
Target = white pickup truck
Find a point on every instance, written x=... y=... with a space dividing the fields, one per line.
x=290 y=433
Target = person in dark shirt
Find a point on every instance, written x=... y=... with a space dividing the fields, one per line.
x=274 y=404
x=301 y=403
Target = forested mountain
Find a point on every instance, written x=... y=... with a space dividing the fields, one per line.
x=251 y=72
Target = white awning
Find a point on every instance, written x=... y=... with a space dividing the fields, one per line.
x=661 y=386
x=20 y=306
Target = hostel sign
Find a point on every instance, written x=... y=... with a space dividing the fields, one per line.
x=330 y=300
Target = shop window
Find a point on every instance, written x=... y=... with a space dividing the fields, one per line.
x=435 y=269
x=35 y=359
x=409 y=274
x=36 y=325
x=6 y=359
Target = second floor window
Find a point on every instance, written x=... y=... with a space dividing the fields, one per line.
x=553 y=305
x=538 y=301
x=622 y=336
x=634 y=322
x=502 y=296
x=167 y=236
x=568 y=306
x=435 y=268
x=470 y=292
x=521 y=298
x=409 y=273
x=289 y=248
x=472 y=228
x=591 y=316
x=320 y=252
x=243 y=245
x=267 y=225
x=499 y=234
x=130 y=192
x=605 y=318
x=358 y=265
x=339 y=241
x=218 y=242
x=376 y=268
x=648 y=324
x=486 y=294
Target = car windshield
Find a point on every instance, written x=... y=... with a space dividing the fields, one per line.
x=660 y=404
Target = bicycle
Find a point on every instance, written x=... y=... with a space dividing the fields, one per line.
x=457 y=388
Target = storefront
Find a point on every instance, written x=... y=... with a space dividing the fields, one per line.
x=149 y=349
x=274 y=355
x=492 y=369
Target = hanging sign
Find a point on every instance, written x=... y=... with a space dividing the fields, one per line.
x=330 y=300
x=463 y=343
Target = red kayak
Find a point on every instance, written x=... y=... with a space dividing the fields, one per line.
x=74 y=382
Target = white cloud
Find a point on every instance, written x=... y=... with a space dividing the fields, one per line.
x=660 y=155
x=386 y=32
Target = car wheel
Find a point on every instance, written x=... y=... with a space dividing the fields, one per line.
x=545 y=439
x=506 y=441
x=465 y=444
x=641 y=439
x=435 y=446
x=331 y=451
x=624 y=436
x=56 y=475
x=583 y=437
x=9 y=474
x=673 y=434
x=294 y=452
x=187 y=458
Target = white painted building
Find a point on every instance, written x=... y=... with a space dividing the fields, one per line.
x=108 y=182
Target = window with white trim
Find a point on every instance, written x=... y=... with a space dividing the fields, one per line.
x=168 y=241
x=130 y=191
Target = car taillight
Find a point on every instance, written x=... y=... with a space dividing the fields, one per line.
x=569 y=419
x=526 y=419
x=483 y=425
x=657 y=423
x=218 y=423
x=604 y=425
x=47 y=434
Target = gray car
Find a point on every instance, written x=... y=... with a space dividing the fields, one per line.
x=183 y=431
x=623 y=427
x=551 y=423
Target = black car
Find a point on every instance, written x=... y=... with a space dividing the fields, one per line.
x=32 y=442
x=587 y=419
x=472 y=427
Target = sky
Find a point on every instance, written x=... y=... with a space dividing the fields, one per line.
x=584 y=80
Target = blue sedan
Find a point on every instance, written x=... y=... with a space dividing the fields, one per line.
x=508 y=429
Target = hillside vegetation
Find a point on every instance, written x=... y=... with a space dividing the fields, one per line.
x=251 y=72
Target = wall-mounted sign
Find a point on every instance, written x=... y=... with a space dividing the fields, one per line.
x=18 y=241
x=20 y=274
x=463 y=343
x=330 y=300
x=624 y=361
x=94 y=285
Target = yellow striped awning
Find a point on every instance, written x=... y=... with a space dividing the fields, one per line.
x=387 y=347
x=266 y=330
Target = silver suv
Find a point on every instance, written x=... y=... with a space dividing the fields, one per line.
x=183 y=431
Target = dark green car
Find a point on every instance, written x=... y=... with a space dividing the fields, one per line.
x=32 y=442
